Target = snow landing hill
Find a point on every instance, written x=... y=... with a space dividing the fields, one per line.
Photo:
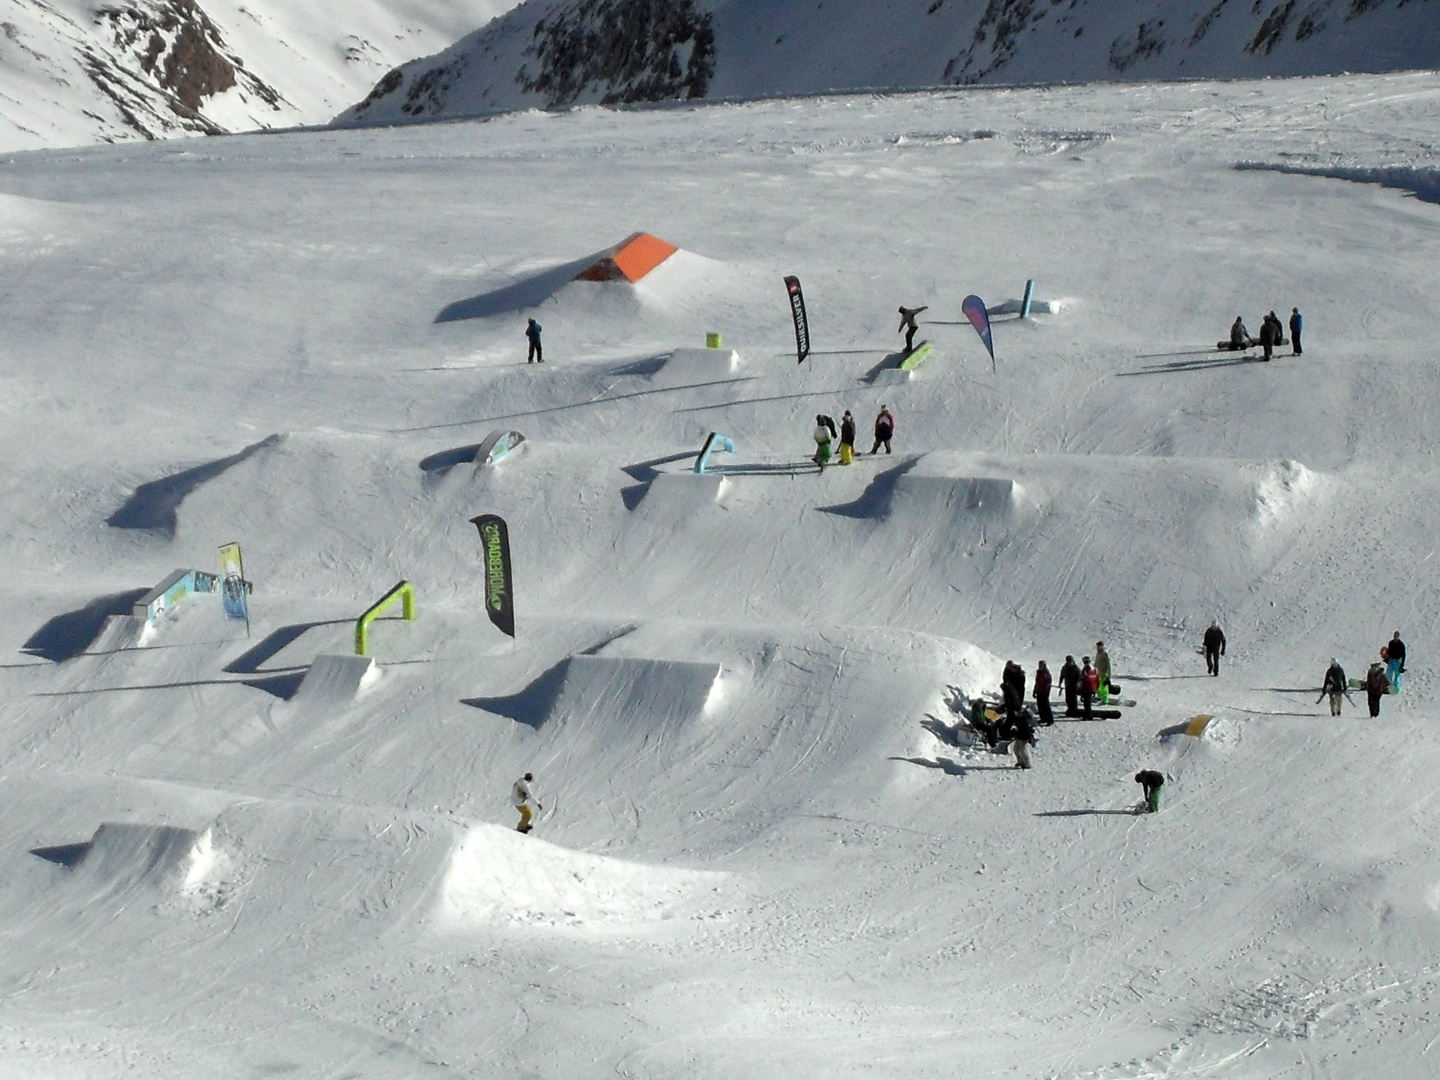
x=78 y=71
x=556 y=53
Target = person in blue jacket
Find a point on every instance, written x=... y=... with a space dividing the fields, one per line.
x=536 y=355
x=1297 y=323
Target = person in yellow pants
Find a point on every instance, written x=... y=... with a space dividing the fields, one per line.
x=1102 y=667
x=523 y=799
x=847 y=438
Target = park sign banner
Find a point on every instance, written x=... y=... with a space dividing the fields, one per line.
x=499 y=595
x=802 y=324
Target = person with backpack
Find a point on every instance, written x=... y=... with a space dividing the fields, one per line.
x=1333 y=686
x=824 y=432
x=523 y=798
x=1070 y=683
x=1214 y=646
x=1376 y=687
x=1102 y=669
x=1042 y=694
x=884 y=430
x=532 y=333
x=1395 y=662
x=1297 y=323
x=847 y=438
x=1150 y=783
x=1089 y=684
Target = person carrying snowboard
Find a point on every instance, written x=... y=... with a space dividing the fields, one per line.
x=909 y=327
x=824 y=432
x=1102 y=669
x=884 y=430
x=1240 y=337
x=1070 y=683
x=536 y=354
x=1150 y=783
x=1297 y=323
x=1333 y=686
x=1214 y=643
x=847 y=438
x=523 y=799
x=1395 y=662
x=1089 y=683
x=1376 y=687
x=1042 y=694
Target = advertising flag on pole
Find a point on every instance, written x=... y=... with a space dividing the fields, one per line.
x=802 y=325
x=499 y=598
x=233 y=586
x=974 y=309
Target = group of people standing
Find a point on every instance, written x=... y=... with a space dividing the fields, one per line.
x=1379 y=680
x=1272 y=333
x=826 y=433
x=1082 y=686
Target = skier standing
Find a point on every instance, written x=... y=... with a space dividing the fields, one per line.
x=1334 y=685
x=1070 y=683
x=1089 y=683
x=824 y=432
x=522 y=798
x=1214 y=648
x=1376 y=687
x=847 y=438
x=1297 y=323
x=1102 y=668
x=1042 y=694
x=1150 y=782
x=884 y=430
x=908 y=325
x=536 y=355
x=1395 y=662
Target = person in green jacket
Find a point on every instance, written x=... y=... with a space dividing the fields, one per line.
x=1102 y=668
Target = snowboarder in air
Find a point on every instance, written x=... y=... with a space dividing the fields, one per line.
x=1214 y=644
x=1102 y=668
x=1395 y=662
x=1334 y=686
x=1150 y=782
x=1089 y=683
x=884 y=430
x=523 y=799
x=824 y=433
x=908 y=326
x=532 y=333
x=1376 y=687
x=1042 y=693
x=1297 y=323
x=847 y=438
x=1070 y=683
x=1240 y=337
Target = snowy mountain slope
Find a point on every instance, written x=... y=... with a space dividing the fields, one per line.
x=77 y=71
x=555 y=53
x=768 y=847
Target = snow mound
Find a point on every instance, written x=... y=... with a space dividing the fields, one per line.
x=641 y=695
x=686 y=492
x=497 y=875
x=124 y=858
x=334 y=681
x=689 y=366
x=1281 y=488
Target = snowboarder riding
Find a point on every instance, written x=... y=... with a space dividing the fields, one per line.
x=522 y=798
x=908 y=326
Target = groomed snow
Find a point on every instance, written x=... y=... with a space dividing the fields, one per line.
x=768 y=848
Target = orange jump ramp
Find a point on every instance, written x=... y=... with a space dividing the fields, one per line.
x=630 y=260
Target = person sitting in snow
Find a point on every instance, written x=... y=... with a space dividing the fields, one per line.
x=1239 y=336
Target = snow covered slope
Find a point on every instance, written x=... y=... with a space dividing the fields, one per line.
x=553 y=53
x=80 y=71
x=769 y=847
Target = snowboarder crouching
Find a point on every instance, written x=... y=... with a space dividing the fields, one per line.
x=824 y=432
x=1334 y=686
x=1214 y=644
x=884 y=430
x=1150 y=782
x=523 y=799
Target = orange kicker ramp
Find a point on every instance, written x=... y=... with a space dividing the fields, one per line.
x=630 y=260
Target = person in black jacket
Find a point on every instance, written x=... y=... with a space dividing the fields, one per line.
x=1214 y=648
x=1270 y=334
x=1012 y=691
x=1023 y=738
x=1150 y=782
x=1334 y=686
x=847 y=438
x=1376 y=687
x=1395 y=662
x=1297 y=323
x=1042 y=694
x=1070 y=683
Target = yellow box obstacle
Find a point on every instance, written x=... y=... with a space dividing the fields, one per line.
x=712 y=341
x=1197 y=725
x=404 y=592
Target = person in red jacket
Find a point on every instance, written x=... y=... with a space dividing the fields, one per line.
x=1042 y=694
x=884 y=430
x=1089 y=683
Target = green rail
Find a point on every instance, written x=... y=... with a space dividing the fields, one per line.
x=404 y=592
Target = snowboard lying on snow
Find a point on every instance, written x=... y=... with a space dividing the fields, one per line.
x=1230 y=346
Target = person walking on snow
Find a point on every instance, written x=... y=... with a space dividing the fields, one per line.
x=1150 y=782
x=1376 y=687
x=1042 y=694
x=1089 y=683
x=884 y=430
x=908 y=326
x=1214 y=648
x=523 y=799
x=824 y=432
x=847 y=438
x=1239 y=336
x=1297 y=323
x=1070 y=683
x=1102 y=668
x=1395 y=662
x=1333 y=686
x=536 y=354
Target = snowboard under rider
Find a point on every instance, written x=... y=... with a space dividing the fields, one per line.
x=824 y=433
x=1376 y=687
x=1070 y=683
x=536 y=355
x=847 y=438
x=523 y=799
x=1334 y=686
x=884 y=430
x=1042 y=694
x=1150 y=783
x=1214 y=647
x=908 y=325
x=1297 y=323
x=1395 y=662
